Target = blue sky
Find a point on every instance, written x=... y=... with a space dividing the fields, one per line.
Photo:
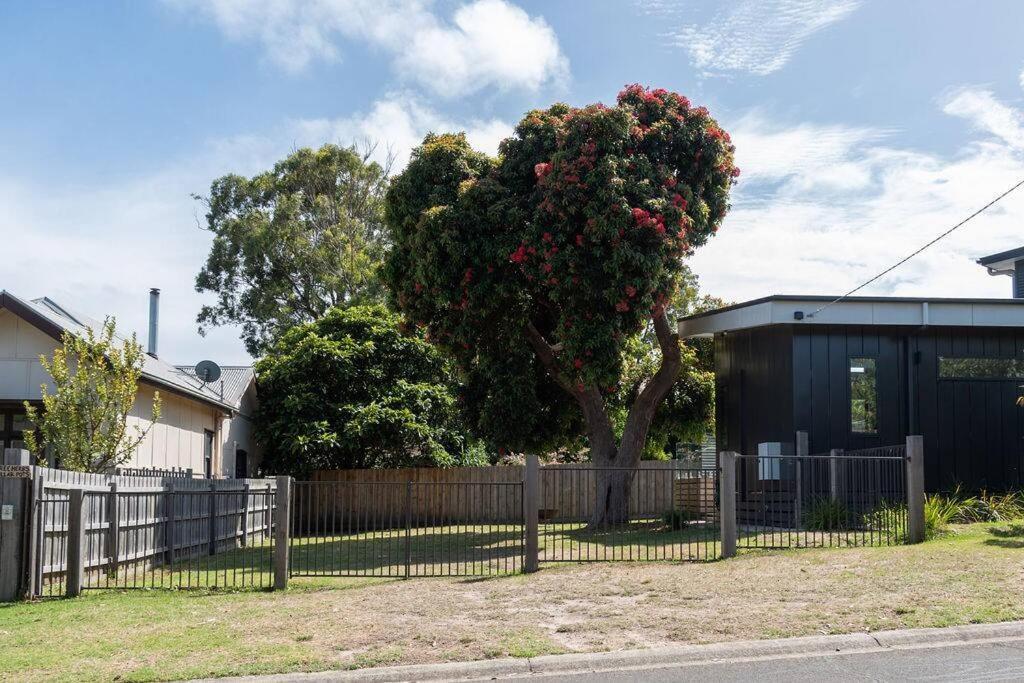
x=863 y=128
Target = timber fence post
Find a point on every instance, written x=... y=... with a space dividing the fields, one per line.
x=915 y=489
x=282 y=520
x=531 y=506
x=727 y=502
x=802 y=451
x=76 y=542
x=114 y=530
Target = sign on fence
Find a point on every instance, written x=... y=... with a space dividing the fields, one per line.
x=16 y=471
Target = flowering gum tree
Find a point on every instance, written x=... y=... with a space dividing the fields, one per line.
x=556 y=255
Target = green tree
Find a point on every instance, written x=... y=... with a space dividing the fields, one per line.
x=84 y=422
x=292 y=242
x=551 y=260
x=351 y=390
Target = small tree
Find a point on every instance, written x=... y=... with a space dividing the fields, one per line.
x=350 y=390
x=555 y=257
x=84 y=422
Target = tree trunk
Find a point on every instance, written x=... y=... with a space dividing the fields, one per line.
x=613 y=486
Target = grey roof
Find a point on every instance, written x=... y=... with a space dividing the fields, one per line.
x=855 y=310
x=233 y=383
x=1011 y=255
x=55 y=319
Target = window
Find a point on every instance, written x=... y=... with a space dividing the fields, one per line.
x=962 y=367
x=208 y=453
x=863 y=396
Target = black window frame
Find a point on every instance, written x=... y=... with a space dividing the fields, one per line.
x=849 y=392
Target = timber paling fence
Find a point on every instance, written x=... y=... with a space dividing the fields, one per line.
x=86 y=532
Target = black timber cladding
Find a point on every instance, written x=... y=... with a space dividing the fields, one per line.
x=772 y=381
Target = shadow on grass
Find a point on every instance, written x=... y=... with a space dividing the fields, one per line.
x=1011 y=536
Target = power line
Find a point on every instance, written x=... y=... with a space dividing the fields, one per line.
x=910 y=256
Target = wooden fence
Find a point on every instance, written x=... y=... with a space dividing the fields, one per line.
x=464 y=494
x=140 y=521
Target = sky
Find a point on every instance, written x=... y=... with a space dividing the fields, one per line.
x=864 y=128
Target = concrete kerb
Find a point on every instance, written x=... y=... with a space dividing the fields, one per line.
x=808 y=646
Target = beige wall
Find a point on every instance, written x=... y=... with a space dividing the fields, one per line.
x=20 y=347
x=175 y=441
x=238 y=434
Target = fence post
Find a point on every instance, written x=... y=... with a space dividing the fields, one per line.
x=171 y=522
x=833 y=474
x=531 y=507
x=727 y=502
x=802 y=450
x=38 y=536
x=213 y=519
x=113 y=530
x=282 y=520
x=915 y=489
x=15 y=497
x=245 y=514
x=76 y=542
x=408 y=527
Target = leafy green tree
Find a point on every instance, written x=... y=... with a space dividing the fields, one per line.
x=84 y=422
x=292 y=242
x=351 y=390
x=549 y=261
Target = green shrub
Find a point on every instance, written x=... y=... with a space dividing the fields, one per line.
x=826 y=514
x=940 y=511
x=676 y=519
x=889 y=519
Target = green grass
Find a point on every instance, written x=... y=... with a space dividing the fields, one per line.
x=972 y=574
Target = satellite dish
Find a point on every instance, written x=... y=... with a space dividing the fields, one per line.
x=208 y=371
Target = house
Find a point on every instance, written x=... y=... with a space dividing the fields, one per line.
x=864 y=372
x=204 y=426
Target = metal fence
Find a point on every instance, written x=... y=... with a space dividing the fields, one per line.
x=406 y=529
x=600 y=514
x=152 y=538
x=853 y=498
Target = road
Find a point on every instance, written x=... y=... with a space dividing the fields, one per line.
x=1002 y=661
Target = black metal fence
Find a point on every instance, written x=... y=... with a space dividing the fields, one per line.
x=156 y=539
x=852 y=498
x=406 y=529
x=600 y=514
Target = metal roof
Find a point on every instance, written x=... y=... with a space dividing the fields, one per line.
x=856 y=310
x=233 y=383
x=995 y=259
x=55 y=319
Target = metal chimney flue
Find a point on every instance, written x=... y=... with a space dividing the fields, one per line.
x=154 y=320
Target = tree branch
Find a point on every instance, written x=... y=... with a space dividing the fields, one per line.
x=641 y=413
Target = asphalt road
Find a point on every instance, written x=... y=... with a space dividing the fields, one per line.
x=972 y=662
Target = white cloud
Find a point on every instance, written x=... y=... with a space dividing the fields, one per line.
x=981 y=108
x=100 y=248
x=398 y=123
x=755 y=36
x=487 y=43
x=1022 y=78
x=791 y=231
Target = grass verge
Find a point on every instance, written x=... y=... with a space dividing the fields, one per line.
x=968 y=576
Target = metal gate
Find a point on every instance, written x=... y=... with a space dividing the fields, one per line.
x=409 y=529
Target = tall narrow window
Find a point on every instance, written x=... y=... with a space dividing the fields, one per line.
x=863 y=396
x=208 y=453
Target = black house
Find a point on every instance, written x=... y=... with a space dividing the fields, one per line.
x=867 y=371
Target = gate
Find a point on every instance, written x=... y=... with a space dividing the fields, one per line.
x=410 y=529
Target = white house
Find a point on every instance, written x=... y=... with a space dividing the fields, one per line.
x=205 y=427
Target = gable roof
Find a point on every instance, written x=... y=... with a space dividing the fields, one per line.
x=54 y=319
x=233 y=383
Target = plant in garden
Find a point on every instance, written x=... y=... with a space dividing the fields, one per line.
x=826 y=514
x=293 y=242
x=538 y=270
x=84 y=421
x=350 y=390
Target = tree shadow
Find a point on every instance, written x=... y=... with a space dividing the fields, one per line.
x=1010 y=536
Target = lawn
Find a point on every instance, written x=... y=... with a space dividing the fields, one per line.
x=971 y=575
